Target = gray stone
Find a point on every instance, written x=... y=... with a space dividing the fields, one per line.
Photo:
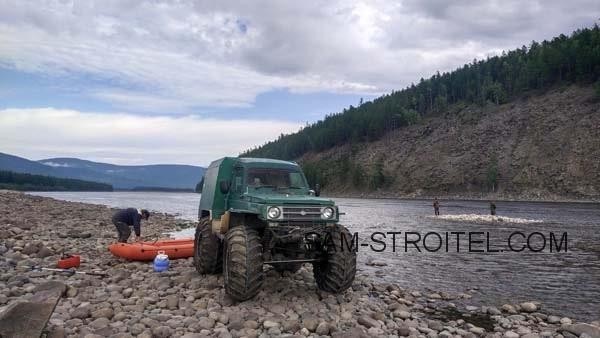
x=368 y=322
x=290 y=326
x=206 y=323
x=279 y=309
x=517 y=318
x=310 y=324
x=74 y=322
x=30 y=249
x=162 y=332
x=375 y=332
x=494 y=311
x=99 y=323
x=173 y=302
x=44 y=252
x=71 y=291
x=435 y=325
x=236 y=324
x=127 y=292
x=27 y=318
x=528 y=307
x=404 y=331
x=511 y=334
x=477 y=330
x=553 y=319
x=81 y=312
x=267 y=324
x=193 y=335
x=509 y=308
x=581 y=328
x=103 y=313
x=566 y=320
x=149 y=322
x=137 y=328
x=322 y=329
x=523 y=330
x=251 y=324
x=402 y=314
x=57 y=332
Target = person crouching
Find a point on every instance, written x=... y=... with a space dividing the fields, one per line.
x=125 y=219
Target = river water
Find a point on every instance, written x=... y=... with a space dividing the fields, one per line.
x=566 y=283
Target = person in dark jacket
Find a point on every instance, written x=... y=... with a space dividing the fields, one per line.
x=492 y=208
x=125 y=219
x=436 y=206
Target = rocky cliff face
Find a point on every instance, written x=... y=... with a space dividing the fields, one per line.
x=539 y=147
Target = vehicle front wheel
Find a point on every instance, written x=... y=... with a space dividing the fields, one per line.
x=243 y=263
x=336 y=272
x=208 y=258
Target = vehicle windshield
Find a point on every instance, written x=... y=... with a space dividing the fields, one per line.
x=276 y=179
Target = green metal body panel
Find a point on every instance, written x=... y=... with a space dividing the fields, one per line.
x=247 y=200
x=212 y=200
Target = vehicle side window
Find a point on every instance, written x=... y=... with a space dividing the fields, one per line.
x=237 y=180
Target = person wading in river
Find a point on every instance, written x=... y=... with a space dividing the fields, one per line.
x=125 y=219
x=492 y=208
x=436 y=206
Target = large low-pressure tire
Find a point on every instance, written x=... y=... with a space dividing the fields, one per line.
x=208 y=257
x=243 y=263
x=336 y=272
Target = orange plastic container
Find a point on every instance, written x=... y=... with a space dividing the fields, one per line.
x=146 y=251
x=69 y=261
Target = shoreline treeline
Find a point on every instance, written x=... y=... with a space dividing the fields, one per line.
x=27 y=182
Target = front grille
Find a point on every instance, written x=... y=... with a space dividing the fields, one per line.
x=302 y=213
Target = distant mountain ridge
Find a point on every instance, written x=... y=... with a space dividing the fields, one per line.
x=120 y=176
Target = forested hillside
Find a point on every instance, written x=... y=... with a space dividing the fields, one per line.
x=525 y=124
x=563 y=60
x=27 y=182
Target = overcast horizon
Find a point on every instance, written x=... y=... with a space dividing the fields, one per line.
x=150 y=82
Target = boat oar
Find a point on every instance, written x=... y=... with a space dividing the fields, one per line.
x=71 y=271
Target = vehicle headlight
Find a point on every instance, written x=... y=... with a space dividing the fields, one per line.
x=327 y=213
x=273 y=212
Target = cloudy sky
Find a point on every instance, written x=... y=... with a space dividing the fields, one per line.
x=136 y=82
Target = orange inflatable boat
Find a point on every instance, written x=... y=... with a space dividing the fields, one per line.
x=146 y=251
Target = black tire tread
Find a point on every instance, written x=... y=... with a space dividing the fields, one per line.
x=336 y=273
x=208 y=252
x=243 y=272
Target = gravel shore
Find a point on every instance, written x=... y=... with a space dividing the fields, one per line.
x=134 y=301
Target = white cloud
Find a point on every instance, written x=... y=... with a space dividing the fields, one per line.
x=174 y=56
x=129 y=139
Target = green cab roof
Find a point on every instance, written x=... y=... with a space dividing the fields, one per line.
x=252 y=160
x=262 y=162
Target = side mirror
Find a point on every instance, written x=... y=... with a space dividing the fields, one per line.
x=317 y=190
x=224 y=186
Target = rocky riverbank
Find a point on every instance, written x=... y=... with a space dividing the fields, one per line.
x=135 y=301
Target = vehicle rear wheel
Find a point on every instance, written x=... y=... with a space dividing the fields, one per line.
x=335 y=273
x=208 y=257
x=243 y=263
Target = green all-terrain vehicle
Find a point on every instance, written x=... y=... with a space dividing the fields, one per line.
x=256 y=211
